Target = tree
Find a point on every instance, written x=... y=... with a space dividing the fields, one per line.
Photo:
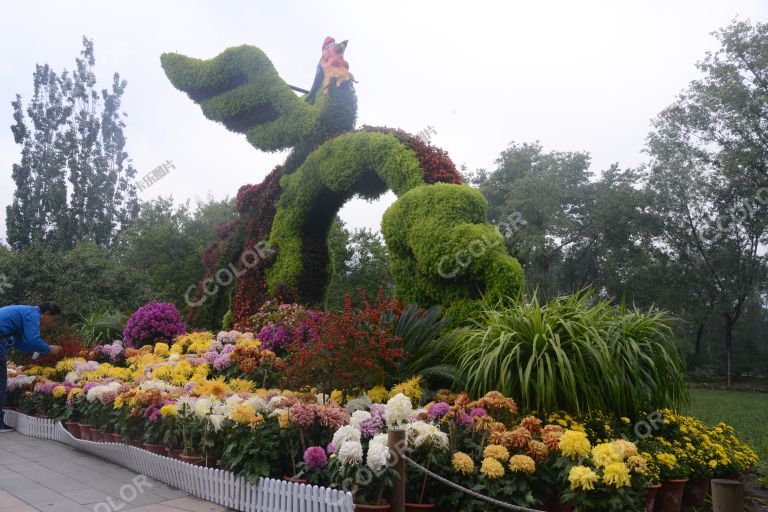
x=165 y=244
x=74 y=181
x=361 y=264
x=709 y=172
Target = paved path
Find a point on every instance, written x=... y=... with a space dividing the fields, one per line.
x=36 y=474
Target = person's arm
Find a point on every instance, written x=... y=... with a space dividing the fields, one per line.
x=32 y=340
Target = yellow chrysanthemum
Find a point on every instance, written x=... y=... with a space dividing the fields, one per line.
x=59 y=391
x=628 y=449
x=336 y=395
x=491 y=468
x=496 y=451
x=616 y=474
x=378 y=395
x=217 y=388
x=119 y=402
x=168 y=410
x=605 y=453
x=241 y=385
x=574 y=444
x=68 y=364
x=463 y=463
x=582 y=478
x=245 y=414
x=164 y=372
x=666 y=459
x=75 y=393
x=410 y=388
x=283 y=420
x=522 y=464
x=161 y=349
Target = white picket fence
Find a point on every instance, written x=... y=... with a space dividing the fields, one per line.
x=217 y=486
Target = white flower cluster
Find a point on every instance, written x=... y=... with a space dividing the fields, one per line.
x=398 y=411
x=96 y=392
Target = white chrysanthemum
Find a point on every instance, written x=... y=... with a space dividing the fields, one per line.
x=344 y=434
x=203 y=407
x=378 y=456
x=274 y=402
x=259 y=404
x=351 y=452
x=358 y=417
x=158 y=384
x=173 y=357
x=322 y=398
x=398 y=410
x=276 y=412
x=381 y=439
x=186 y=404
x=72 y=377
x=421 y=434
x=96 y=392
x=216 y=421
x=231 y=402
x=361 y=403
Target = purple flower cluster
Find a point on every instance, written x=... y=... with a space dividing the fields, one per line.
x=113 y=351
x=156 y=321
x=228 y=337
x=281 y=325
x=438 y=410
x=315 y=457
x=375 y=424
x=152 y=413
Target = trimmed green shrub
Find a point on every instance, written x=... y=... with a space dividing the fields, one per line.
x=572 y=355
x=444 y=251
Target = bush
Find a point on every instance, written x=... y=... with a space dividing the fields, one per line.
x=572 y=355
x=154 y=322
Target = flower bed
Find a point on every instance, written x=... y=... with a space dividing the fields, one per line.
x=215 y=400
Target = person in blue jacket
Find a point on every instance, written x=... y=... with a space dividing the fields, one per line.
x=20 y=328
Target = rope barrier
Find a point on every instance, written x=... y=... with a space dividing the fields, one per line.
x=472 y=493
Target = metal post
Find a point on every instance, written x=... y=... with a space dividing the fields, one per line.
x=396 y=441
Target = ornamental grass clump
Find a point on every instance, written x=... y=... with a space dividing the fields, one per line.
x=156 y=321
x=572 y=354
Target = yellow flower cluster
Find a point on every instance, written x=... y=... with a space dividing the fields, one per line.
x=496 y=451
x=574 y=444
x=582 y=478
x=491 y=468
x=522 y=464
x=462 y=463
x=616 y=474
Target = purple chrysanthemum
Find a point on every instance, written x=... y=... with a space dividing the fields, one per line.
x=315 y=457
x=156 y=321
x=438 y=410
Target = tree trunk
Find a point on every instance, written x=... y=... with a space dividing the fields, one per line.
x=728 y=349
x=699 y=333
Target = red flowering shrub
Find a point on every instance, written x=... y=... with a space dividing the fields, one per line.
x=354 y=349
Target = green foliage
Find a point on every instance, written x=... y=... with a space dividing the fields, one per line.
x=165 y=245
x=572 y=355
x=74 y=181
x=101 y=328
x=444 y=252
x=419 y=332
x=361 y=264
x=241 y=89
x=85 y=279
x=358 y=163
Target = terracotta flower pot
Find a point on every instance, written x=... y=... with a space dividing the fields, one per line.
x=97 y=435
x=695 y=493
x=670 y=497
x=727 y=495
x=159 y=449
x=138 y=443
x=174 y=454
x=73 y=428
x=85 y=431
x=416 y=507
x=359 y=507
x=115 y=437
x=650 y=496
x=294 y=480
x=195 y=460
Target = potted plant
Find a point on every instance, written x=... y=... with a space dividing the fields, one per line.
x=153 y=431
x=673 y=475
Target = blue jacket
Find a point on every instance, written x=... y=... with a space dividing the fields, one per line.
x=22 y=323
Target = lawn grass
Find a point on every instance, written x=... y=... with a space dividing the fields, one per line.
x=747 y=412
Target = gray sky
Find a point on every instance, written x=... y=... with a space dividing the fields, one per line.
x=583 y=75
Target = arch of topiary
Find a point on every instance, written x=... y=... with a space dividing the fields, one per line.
x=443 y=250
